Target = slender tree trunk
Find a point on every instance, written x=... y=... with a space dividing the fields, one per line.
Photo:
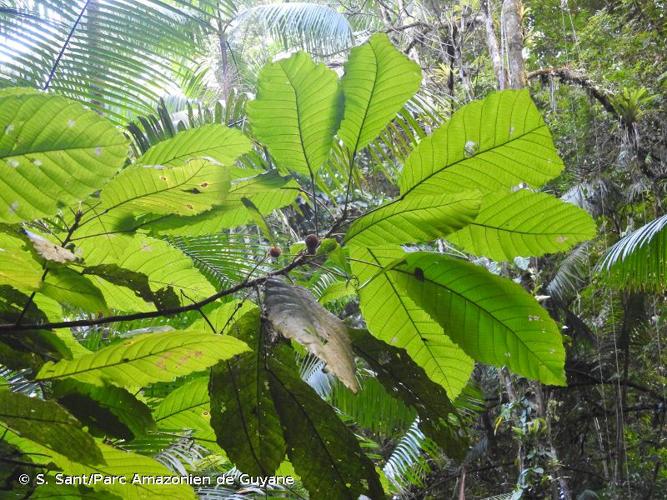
x=492 y=43
x=511 y=19
x=224 y=75
x=512 y=33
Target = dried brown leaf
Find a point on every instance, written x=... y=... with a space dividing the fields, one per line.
x=295 y=314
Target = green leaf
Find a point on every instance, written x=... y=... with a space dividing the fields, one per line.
x=220 y=143
x=189 y=396
x=267 y=192
x=489 y=145
x=494 y=320
x=117 y=463
x=108 y=409
x=322 y=449
x=407 y=381
x=373 y=408
x=18 y=268
x=393 y=317
x=190 y=189
x=50 y=425
x=378 y=81
x=146 y=359
x=111 y=275
x=188 y=407
x=67 y=286
x=53 y=153
x=148 y=256
x=414 y=220
x=524 y=224
x=638 y=260
x=296 y=112
x=242 y=411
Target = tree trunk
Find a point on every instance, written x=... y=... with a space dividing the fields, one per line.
x=511 y=21
x=492 y=44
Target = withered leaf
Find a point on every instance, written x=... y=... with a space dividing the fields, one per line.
x=50 y=251
x=295 y=314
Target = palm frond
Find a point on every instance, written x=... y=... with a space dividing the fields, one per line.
x=639 y=259
x=181 y=455
x=570 y=275
x=117 y=56
x=317 y=28
x=223 y=258
x=373 y=408
x=311 y=371
x=407 y=465
x=19 y=381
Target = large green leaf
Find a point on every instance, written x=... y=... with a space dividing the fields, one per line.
x=50 y=425
x=414 y=220
x=148 y=358
x=148 y=257
x=489 y=145
x=53 y=153
x=222 y=144
x=493 y=319
x=118 y=463
x=242 y=411
x=18 y=268
x=267 y=192
x=69 y=287
x=296 y=112
x=525 y=224
x=321 y=448
x=189 y=189
x=107 y=409
x=407 y=381
x=189 y=396
x=378 y=81
x=114 y=280
x=393 y=317
x=188 y=408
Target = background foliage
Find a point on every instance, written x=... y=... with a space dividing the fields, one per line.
x=313 y=239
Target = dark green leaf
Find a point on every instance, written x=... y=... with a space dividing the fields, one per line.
x=49 y=424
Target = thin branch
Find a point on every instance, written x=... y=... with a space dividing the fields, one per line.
x=570 y=76
x=299 y=261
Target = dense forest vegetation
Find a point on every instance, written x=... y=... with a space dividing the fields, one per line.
x=330 y=250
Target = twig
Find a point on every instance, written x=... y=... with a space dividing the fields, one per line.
x=299 y=261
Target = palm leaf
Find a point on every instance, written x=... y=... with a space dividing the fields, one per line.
x=316 y=28
x=116 y=56
x=639 y=259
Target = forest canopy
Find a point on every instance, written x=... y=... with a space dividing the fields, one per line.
x=379 y=249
